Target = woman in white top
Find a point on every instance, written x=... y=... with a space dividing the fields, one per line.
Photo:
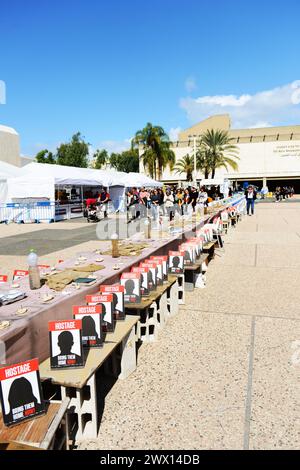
x=169 y=204
x=201 y=201
x=202 y=198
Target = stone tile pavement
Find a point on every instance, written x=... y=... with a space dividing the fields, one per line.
x=225 y=372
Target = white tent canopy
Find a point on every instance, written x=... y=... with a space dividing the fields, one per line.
x=140 y=180
x=24 y=187
x=39 y=180
x=64 y=175
x=6 y=171
x=88 y=176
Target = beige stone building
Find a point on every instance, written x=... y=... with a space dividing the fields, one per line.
x=268 y=155
x=9 y=146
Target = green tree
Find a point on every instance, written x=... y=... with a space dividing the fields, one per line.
x=114 y=160
x=44 y=156
x=219 y=151
x=100 y=158
x=204 y=163
x=74 y=153
x=185 y=165
x=127 y=161
x=157 y=154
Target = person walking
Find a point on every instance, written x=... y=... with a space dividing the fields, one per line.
x=144 y=194
x=104 y=199
x=250 y=194
x=193 y=197
x=179 y=195
x=169 y=204
x=155 y=198
x=278 y=194
x=186 y=201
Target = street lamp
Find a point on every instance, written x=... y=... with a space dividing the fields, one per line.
x=195 y=158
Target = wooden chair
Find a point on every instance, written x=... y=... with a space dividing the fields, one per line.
x=48 y=431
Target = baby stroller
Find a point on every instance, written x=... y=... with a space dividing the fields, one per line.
x=93 y=211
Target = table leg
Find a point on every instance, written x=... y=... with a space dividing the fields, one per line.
x=173 y=299
x=162 y=310
x=181 y=296
x=84 y=404
x=128 y=358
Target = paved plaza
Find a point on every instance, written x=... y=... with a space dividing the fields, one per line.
x=225 y=371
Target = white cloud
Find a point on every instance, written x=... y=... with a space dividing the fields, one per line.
x=2 y=92
x=173 y=133
x=190 y=84
x=115 y=146
x=225 y=100
x=261 y=124
x=278 y=106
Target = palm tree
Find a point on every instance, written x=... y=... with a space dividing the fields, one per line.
x=185 y=165
x=204 y=160
x=219 y=150
x=156 y=149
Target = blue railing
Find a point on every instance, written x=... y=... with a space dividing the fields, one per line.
x=35 y=212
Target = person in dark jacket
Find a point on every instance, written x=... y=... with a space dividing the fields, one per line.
x=250 y=194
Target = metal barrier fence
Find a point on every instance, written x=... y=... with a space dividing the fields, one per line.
x=36 y=212
x=39 y=212
x=68 y=211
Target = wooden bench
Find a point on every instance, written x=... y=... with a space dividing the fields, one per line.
x=16 y=446
x=48 y=431
x=155 y=309
x=193 y=270
x=80 y=384
x=209 y=248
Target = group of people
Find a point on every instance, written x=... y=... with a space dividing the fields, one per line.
x=98 y=199
x=285 y=192
x=168 y=201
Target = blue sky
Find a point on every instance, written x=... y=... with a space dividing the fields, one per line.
x=106 y=68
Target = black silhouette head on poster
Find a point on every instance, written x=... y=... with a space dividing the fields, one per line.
x=143 y=279
x=103 y=309
x=144 y=273
x=108 y=317
x=132 y=285
x=68 y=346
x=176 y=262
x=91 y=323
x=20 y=392
x=65 y=343
x=105 y=301
x=115 y=302
x=89 y=327
x=129 y=287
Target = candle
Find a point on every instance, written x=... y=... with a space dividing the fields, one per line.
x=115 y=245
x=147 y=228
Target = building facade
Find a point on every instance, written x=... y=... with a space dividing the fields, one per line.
x=268 y=155
x=9 y=146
